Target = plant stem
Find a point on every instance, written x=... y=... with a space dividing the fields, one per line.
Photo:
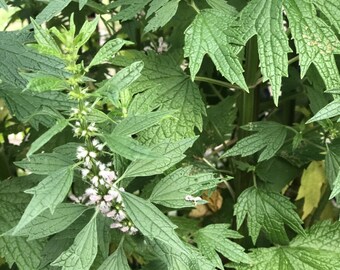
x=246 y=104
x=193 y=5
x=216 y=82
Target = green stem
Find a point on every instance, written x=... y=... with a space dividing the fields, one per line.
x=247 y=107
x=216 y=82
x=193 y=5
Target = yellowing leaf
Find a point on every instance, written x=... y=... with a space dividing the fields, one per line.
x=311 y=182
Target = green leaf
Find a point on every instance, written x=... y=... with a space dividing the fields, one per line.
x=18 y=56
x=129 y=148
x=175 y=259
x=209 y=34
x=170 y=153
x=136 y=123
x=319 y=250
x=330 y=110
x=264 y=19
x=222 y=5
x=151 y=221
x=47 y=194
x=25 y=254
x=47 y=224
x=163 y=11
x=213 y=237
x=86 y=32
x=83 y=250
x=117 y=260
x=37 y=108
x=314 y=40
x=129 y=8
x=269 y=210
x=45 y=40
x=82 y=3
x=108 y=51
x=332 y=164
x=172 y=189
x=45 y=163
x=3 y=4
x=165 y=87
x=43 y=83
x=13 y=201
x=123 y=79
x=331 y=9
x=52 y=9
x=104 y=235
x=44 y=138
x=270 y=138
x=97 y=116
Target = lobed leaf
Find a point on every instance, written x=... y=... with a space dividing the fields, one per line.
x=172 y=189
x=270 y=138
x=136 y=123
x=264 y=19
x=20 y=57
x=314 y=40
x=163 y=11
x=267 y=210
x=316 y=250
x=170 y=153
x=211 y=33
x=165 y=87
x=209 y=239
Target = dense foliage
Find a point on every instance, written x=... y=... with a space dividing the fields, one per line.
x=170 y=134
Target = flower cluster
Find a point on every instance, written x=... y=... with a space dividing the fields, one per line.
x=102 y=191
x=161 y=47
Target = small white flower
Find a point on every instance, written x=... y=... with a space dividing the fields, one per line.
x=125 y=229
x=104 y=208
x=116 y=225
x=114 y=193
x=85 y=172
x=108 y=175
x=87 y=162
x=120 y=215
x=133 y=230
x=76 y=131
x=74 y=110
x=94 y=180
x=83 y=133
x=95 y=142
x=100 y=147
x=108 y=198
x=81 y=152
x=95 y=198
x=111 y=213
x=91 y=191
x=93 y=154
x=16 y=139
x=74 y=198
x=92 y=127
x=101 y=166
